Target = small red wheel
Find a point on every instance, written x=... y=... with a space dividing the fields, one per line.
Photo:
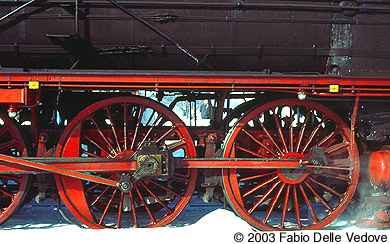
x=291 y=199
x=116 y=128
x=13 y=187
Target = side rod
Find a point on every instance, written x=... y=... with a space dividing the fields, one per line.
x=74 y=167
x=249 y=163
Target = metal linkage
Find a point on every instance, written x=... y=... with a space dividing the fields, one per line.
x=73 y=166
x=57 y=170
x=16 y=10
x=51 y=164
x=149 y=163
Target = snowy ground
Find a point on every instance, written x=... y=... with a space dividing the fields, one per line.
x=196 y=224
x=44 y=224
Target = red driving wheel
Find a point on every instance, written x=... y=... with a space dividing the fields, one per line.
x=13 y=187
x=291 y=199
x=116 y=128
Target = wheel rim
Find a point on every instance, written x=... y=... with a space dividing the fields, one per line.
x=288 y=199
x=13 y=187
x=98 y=131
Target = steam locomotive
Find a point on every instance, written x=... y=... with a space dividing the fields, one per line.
x=124 y=110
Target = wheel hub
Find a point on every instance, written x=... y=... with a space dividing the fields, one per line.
x=292 y=176
x=124 y=154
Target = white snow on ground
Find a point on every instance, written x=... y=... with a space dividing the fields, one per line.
x=218 y=226
x=209 y=224
x=44 y=224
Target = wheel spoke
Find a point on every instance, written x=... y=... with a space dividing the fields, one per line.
x=264 y=196
x=296 y=206
x=326 y=187
x=133 y=210
x=107 y=206
x=302 y=130
x=90 y=154
x=285 y=203
x=256 y=176
x=345 y=162
x=176 y=146
x=6 y=193
x=250 y=152
x=4 y=128
x=102 y=134
x=327 y=167
x=180 y=178
x=93 y=187
x=258 y=142
x=318 y=196
x=155 y=197
x=327 y=138
x=336 y=147
x=125 y=126
x=308 y=203
x=141 y=114
x=99 y=196
x=153 y=221
x=150 y=130
x=170 y=132
x=337 y=176
x=5 y=146
x=279 y=128
x=275 y=199
x=118 y=223
x=11 y=177
x=313 y=133
x=98 y=146
x=258 y=186
x=271 y=138
x=164 y=188
x=113 y=128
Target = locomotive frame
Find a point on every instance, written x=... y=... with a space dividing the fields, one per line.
x=35 y=83
x=290 y=161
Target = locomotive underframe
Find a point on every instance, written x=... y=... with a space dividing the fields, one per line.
x=284 y=158
x=28 y=89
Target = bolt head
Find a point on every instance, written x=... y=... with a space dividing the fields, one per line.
x=12 y=114
x=126 y=186
x=301 y=95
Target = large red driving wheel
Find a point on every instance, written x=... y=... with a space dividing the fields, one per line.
x=291 y=199
x=13 y=187
x=116 y=128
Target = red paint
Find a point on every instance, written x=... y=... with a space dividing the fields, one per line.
x=14 y=96
x=379 y=168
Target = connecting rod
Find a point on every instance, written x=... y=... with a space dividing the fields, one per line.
x=58 y=170
x=76 y=167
